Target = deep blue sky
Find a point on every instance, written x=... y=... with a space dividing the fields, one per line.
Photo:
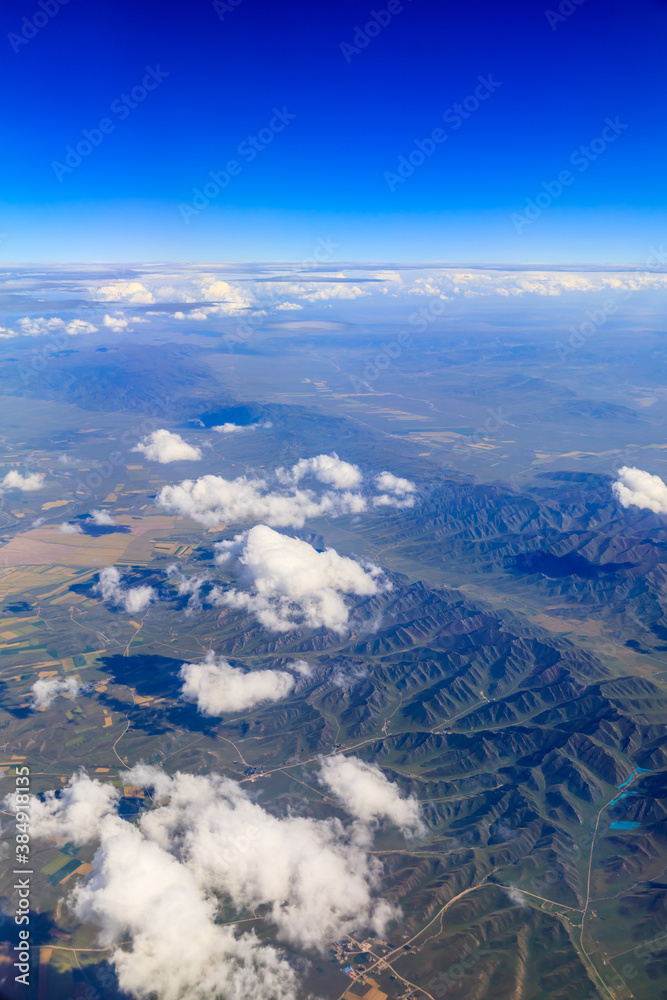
x=324 y=174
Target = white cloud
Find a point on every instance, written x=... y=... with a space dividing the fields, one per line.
x=75 y=815
x=447 y=284
x=117 y=322
x=131 y=599
x=154 y=887
x=67 y=528
x=516 y=895
x=329 y=469
x=316 y=291
x=397 y=492
x=315 y=876
x=101 y=518
x=300 y=667
x=366 y=793
x=27 y=484
x=636 y=488
x=47 y=689
x=163 y=446
x=212 y=500
x=39 y=326
x=127 y=291
x=218 y=687
x=188 y=585
x=288 y=306
x=291 y=582
x=236 y=428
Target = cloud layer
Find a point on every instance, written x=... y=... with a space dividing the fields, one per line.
x=290 y=582
x=154 y=887
x=636 y=488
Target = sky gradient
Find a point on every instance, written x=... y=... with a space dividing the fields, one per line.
x=120 y=114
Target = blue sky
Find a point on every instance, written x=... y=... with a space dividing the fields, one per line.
x=120 y=113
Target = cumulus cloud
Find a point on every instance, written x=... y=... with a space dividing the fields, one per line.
x=212 y=500
x=154 y=887
x=329 y=469
x=131 y=599
x=75 y=814
x=67 y=528
x=290 y=582
x=636 y=488
x=394 y=491
x=125 y=291
x=116 y=323
x=15 y=481
x=40 y=326
x=100 y=518
x=164 y=446
x=217 y=687
x=366 y=793
x=46 y=690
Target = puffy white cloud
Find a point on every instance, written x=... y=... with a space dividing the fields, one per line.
x=117 y=322
x=67 y=528
x=127 y=291
x=101 y=518
x=288 y=306
x=154 y=887
x=329 y=469
x=39 y=327
x=315 y=876
x=397 y=492
x=366 y=793
x=291 y=582
x=131 y=599
x=212 y=500
x=217 y=687
x=636 y=488
x=46 y=690
x=76 y=814
x=164 y=446
x=27 y=484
